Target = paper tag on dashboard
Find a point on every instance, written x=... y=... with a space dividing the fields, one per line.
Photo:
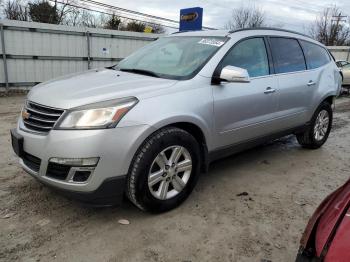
x=211 y=41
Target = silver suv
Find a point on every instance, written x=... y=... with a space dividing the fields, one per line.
x=150 y=125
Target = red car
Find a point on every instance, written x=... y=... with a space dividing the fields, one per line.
x=327 y=235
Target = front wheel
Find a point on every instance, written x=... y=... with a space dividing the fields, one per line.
x=164 y=170
x=321 y=124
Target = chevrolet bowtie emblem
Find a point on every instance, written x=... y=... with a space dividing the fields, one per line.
x=25 y=114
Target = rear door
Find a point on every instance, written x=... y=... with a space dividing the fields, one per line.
x=245 y=110
x=322 y=72
x=295 y=84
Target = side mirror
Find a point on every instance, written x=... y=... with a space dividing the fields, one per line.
x=234 y=74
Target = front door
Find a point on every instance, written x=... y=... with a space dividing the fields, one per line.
x=244 y=111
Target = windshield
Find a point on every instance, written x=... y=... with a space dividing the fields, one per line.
x=172 y=57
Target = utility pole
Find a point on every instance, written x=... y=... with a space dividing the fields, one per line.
x=335 y=30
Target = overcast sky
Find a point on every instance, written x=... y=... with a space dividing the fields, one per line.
x=292 y=14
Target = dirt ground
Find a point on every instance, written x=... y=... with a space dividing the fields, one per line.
x=284 y=182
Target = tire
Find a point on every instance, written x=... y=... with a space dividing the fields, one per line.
x=147 y=161
x=308 y=139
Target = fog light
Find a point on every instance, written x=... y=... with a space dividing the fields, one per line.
x=91 y=161
x=81 y=176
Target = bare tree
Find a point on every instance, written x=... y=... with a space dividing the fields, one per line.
x=64 y=9
x=15 y=10
x=329 y=27
x=156 y=28
x=88 y=19
x=245 y=17
x=72 y=18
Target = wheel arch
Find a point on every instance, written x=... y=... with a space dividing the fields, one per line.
x=330 y=99
x=199 y=135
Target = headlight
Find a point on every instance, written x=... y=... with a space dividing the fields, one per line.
x=98 y=115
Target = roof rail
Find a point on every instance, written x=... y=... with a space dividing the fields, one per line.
x=268 y=28
x=185 y=31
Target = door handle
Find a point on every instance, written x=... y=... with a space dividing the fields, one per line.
x=311 y=83
x=269 y=90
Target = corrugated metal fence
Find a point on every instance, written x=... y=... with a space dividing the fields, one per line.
x=33 y=52
x=340 y=52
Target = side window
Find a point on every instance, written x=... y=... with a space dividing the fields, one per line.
x=249 y=54
x=287 y=55
x=315 y=55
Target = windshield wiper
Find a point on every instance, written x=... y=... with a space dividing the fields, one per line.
x=140 y=71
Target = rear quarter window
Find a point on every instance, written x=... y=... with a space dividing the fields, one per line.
x=287 y=55
x=316 y=56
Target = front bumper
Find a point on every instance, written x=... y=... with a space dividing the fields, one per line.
x=115 y=149
x=110 y=192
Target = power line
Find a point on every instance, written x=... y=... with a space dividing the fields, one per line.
x=339 y=18
x=126 y=13
x=127 y=10
x=135 y=12
x=106 y=13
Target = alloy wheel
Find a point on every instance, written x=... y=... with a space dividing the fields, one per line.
x=170 y=172
x=321 y=125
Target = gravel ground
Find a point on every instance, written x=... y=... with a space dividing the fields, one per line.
x=284 y=182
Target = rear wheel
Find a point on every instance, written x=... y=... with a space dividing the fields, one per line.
x=317 y=134
x=164 y=170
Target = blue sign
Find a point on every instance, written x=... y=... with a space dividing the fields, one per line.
x=191 y=19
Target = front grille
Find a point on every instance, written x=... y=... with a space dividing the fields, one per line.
x=31 y=161
x=57 y=171
x=40 y=118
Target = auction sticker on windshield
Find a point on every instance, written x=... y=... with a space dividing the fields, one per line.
x=211 y=41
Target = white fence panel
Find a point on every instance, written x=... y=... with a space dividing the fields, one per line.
x=38 y=52
x=340 y=52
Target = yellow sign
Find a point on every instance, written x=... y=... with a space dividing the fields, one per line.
x=148 y=29
x=25 y=114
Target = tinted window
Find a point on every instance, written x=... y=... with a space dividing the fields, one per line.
x=251 y=55
x=315 y=55
x=287 y=55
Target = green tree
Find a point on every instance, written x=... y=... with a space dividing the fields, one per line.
x=43 y=12
x=113 y=23
x=135 y=26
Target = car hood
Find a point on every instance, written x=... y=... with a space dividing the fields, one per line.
x=339 y=248
x=331 y=220
x=94 y=86
x=325 y=227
